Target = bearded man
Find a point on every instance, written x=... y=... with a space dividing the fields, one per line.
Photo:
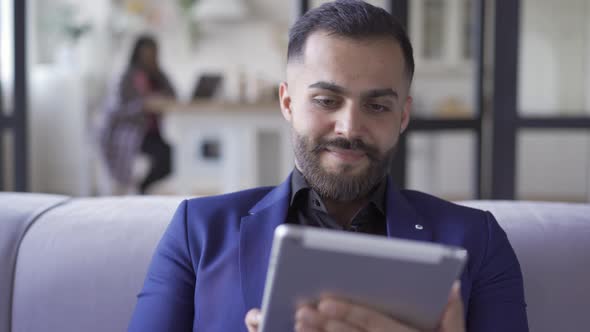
x=347 y=98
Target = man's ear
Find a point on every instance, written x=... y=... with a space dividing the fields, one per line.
x=285 y=101
x=407 y=109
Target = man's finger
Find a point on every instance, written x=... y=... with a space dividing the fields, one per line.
x=309 y=316
x=252 y=320
x=339 y=326
x=362 y=318
x=453 y=319
x=301 y=327
x=455 y=291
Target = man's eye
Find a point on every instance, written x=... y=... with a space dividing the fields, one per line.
x=377 y=108
x=325 y=102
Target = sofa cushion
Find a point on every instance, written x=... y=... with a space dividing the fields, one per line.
x=552 y=242
x=81 y=265
x=19 y=211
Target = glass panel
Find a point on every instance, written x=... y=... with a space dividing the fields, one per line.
x=7 y=159
x=269 y=146
x=434 y=16
x=554 y=71
x=378 y=3
x=468 y=29
x=6 y=55
x=553 y=165
x=442 y=164
x=440 y=32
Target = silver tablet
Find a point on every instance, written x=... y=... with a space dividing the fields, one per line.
x=409 y=280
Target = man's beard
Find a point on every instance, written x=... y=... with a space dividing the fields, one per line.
x=340 y=186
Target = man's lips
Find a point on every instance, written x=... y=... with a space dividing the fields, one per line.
x=346 y=154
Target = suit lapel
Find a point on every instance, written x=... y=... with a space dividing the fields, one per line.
x=403 y=221
x=256 y=235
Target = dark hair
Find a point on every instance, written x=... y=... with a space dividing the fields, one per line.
x=141 y=42
x=350 y=18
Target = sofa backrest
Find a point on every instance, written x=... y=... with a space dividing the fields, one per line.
x=552 y=242
x=80 y=266
x=82 y=263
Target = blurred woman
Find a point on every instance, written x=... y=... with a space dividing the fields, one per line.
x=132 y=122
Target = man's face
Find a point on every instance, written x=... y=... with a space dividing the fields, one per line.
x=347 y=101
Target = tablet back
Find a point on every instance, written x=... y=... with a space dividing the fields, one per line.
x=408 y=279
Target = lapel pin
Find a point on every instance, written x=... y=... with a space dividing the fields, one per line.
x=419 y=227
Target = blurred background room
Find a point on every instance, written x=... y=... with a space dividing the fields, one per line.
x=501 y=95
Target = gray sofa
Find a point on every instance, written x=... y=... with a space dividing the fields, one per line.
x=77 y=264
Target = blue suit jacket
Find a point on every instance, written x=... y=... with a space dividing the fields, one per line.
x=210 y=266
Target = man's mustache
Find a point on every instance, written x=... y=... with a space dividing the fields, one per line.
x=343 y=143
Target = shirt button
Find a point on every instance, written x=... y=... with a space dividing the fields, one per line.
x=419 y=227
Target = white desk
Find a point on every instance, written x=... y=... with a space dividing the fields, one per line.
x=254 y=144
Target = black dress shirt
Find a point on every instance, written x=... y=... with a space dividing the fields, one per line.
x=308 y=209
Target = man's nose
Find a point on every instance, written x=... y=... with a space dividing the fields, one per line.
x=349 y=122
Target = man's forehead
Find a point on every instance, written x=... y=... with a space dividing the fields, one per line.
x=327 y=56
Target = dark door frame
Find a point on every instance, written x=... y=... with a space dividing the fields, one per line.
x=16 y=121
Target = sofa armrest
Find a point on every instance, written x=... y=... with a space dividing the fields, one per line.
x=19 y=212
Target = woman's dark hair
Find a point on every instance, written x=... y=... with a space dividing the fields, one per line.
x=156 y=77
x=350 y=18
x=141 y=42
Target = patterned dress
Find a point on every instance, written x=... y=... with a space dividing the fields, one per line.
x=126 y=123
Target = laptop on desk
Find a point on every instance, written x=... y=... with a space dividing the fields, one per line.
x=207 y=86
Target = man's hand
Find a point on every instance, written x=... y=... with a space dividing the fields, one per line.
x=252 y=320
x=337 y=315
x=453 y=318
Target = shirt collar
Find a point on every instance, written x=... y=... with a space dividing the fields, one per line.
x=299 y=186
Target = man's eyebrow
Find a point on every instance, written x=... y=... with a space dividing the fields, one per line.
x=380 y=93
x=375 y=93
x=328 y=86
